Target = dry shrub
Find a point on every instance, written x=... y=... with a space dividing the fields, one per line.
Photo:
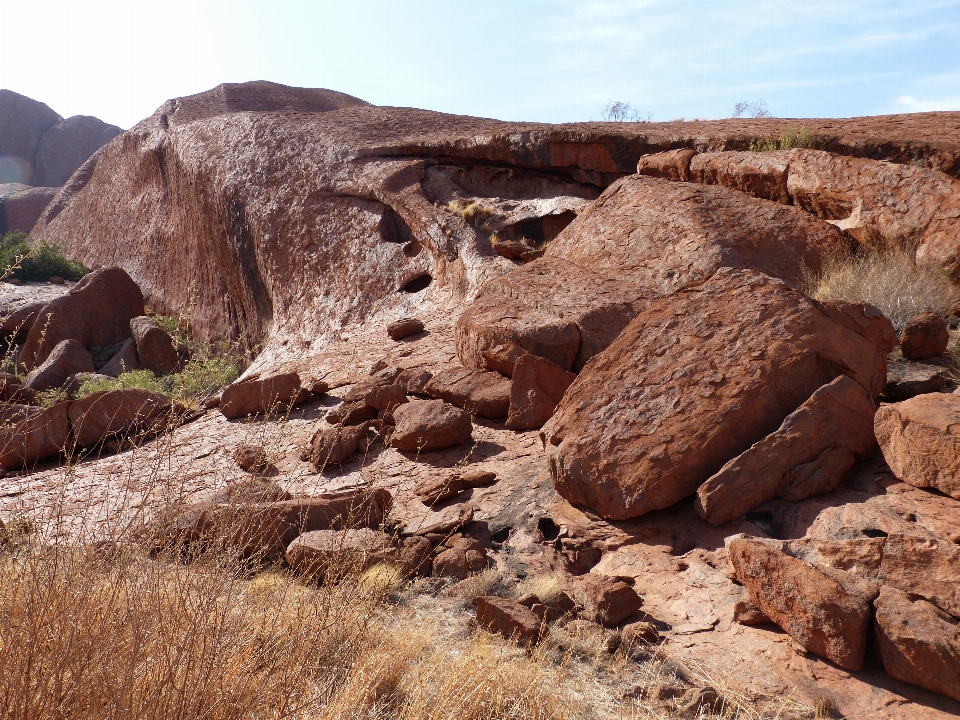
x=890 y=279
x=471 y=211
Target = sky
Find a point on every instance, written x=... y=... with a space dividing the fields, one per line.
x=535 y=60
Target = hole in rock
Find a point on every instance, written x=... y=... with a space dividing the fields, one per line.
x=682 y=566
x=537 y=231
x=910 y=517
x=393 y=228
x=873 y=533
x=421 y=282
x=412 y=248
x=501 y=535
x=765 y=520
x=548 y=528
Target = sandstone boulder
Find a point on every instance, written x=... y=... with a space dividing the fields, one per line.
x=20 y=210
x=28 y=434
x=482 y=393
x=271 y=394
x=694 y=381
x=924 y=567
x=669 y=165
x=378 y=394
x=537 y=388
x=762 y=175
x=129 y=412
x=124 y=360
x=155 y=349
x=404 y=327
x=23 y=122
x=436 y=491
x=918 y=642
x=920 y=440
x=334 y=444
x=908 y=379
x=605 y=601
x=426 y=425
x=67 y=145
x=925 y=336
x=252 y=458
x=826 y=611
x=68 y=358
x=807 y=455
x=459 y=562
x=508 y=618
x=96 y=313
x=331 y=554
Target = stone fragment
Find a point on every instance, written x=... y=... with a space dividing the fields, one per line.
x=537 y=388
x=670 y=165
x=826 y=611
x=516 y=249
x=28 y=434
x=918 y=642
x=123 y=361
x=352 y=413
x=333 y=554
x=271 y=394
x=252 y=458
x=508 y=618
x=436 y=491
x=67 y=358
x=444 y=522
x=414 y=380
x=334 y=444
x=920 y=440
x=96 y=313
x=478 y=392
x=458 y=563
x=379 y=393
x=427 y=425
x=640 y=633
x=694 y=381
x=605 y=601
x=414 y=556
x=155 y=349
x=924 y=567
x=808 y=455
x=129 y=412
x=404 y=327
x=925 y=336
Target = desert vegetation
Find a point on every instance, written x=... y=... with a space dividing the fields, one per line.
x=790 y=138
x=19 y=261
x=752 y=109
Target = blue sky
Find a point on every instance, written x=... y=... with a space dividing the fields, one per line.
x=543 y=60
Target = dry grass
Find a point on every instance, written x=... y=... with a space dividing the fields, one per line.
x=890 y=279
x=471 y=211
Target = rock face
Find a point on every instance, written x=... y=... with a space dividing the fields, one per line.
x=273 y=394
x=67 y=145
x=919 y=439
x=128 y=412
x=925 y=336
x=96 y=313
x=68 y=358
x=538 y=385
x=918 y=642
x=28 y=434
x=477 y=392
x=20 y=210
x=827 y=612
x=155 y=350
x=924 y=567
x=808 y=455
x=22 y=123
x=425 y=425
x=694 y=381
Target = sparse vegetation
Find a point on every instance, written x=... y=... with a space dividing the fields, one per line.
x=751 y=109
x=623 y=111
x=41 y=262
x=889 y=278
x=200 y=378
x=789 y=139
x=471 y=211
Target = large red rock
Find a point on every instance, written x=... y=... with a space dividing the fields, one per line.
x=426 y=425
x=925 y=336
x=694 y=381
x=155 y=349
x=96 y=313
x=826 y=611
x=28 y=434
x=807 y=455
x=332 y=554
x=920 y=440
x=68 y=358
x=761 y=174
x=66 y=146
x=918 y=642
x=22 y=123
x=665 y=236
x=669 y=165
x=254 y=395
x=508 y=618
x=926 y=567
x=129 y=412
x=20 y=210
x=481 y=393
x=538 y=386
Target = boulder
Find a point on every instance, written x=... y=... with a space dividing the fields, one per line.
x=252 y=458
x=334 y=444
x=436 y=491
x=636 y=634
x=23 y=122
x=68 y=358
x=404 y=327
x=414 y=380
x=605 y=601
x=694 y=381
x=550 y=308
x=13 y=390
x=426 y=425
x=918 y=642
x=926 y=567
x=459 y=562
x=414 y=556
x=537 y=388
x=826 y=611
x=28 y=434
x=807 y=455
x=20 y=210
x=124 y=360
x=129 y=412
x=352 y=413
x=18 y=315
x=924 y=336
x=332 y=554
x=155 y=349
x=96 y=313
x=920 y=440
x=481 y=393
x=762 y=175
x=508 y=618
x=746 y=613
x=271 y=394
x=908 y=379
x=67 y=145
x=665 y=236
x=378 y=394
x=669 y=165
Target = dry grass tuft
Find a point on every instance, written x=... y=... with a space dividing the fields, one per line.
x=471 y=211
x=890 y=279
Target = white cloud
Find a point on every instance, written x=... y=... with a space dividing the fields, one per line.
x=908 y=103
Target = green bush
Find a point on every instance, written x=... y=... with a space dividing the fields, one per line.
x=789 y=139
x=41 y=262
x=200 y=378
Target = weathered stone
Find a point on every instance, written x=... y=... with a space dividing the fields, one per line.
x=332 y=554
x=639 y=633
x=252 y=458
x=123 y=361
x=605 y=600
x=129 y=412
x=508 y=618
x=920 y=440
x=155 y=349
x=918 y=642
x=404 y=327
x=481 y=393
x=924 y=567
x=334 y=444
x=924 y=336
x=762 y=175
x=28 y=434
x=352 y=413
x=669 y=165
x=13 y=390
x=538 y=385
x=96 y=313
x=436 y=491
x=272 y=394
x=808 y=455
x=414 y=380
x=826 y=611
x=457 y=563
x=908 y=379
x=67 y=145
x=746 y=613
x=68 y=358
x=694 y=381
x=426 y=425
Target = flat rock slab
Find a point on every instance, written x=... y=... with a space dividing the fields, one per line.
x=907 y=379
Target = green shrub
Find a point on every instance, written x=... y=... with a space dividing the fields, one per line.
x=41 y=262
x=789 y=139
x=200 y=378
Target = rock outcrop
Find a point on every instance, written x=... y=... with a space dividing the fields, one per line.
x=426 y=425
